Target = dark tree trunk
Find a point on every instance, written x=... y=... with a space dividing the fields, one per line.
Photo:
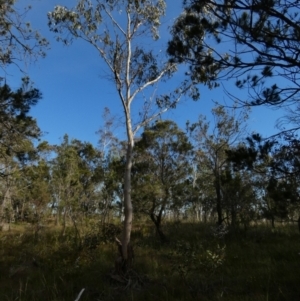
x=233 y=217
x=160 y=233
x=157 y=222
x=219 y=201
x=273 y=221
x=64 y=224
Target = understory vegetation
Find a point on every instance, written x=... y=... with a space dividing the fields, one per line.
x=200 y=262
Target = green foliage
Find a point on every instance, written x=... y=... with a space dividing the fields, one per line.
x=216 y=37
x=19 y=42
x=273 y=165
x=19 y=131
x=161 y=170
x=212 y=142
x=89 y=21
x=75 y=175
x=190 y=259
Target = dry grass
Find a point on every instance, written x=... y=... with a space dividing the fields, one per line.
x=260 y=264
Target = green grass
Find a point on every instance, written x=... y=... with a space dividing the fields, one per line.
x=260 y=264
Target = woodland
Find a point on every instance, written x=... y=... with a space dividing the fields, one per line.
x=207 y=212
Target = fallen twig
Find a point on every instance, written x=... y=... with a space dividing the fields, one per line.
x=81 y=292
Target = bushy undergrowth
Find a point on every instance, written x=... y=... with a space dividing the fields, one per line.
x=200 y=262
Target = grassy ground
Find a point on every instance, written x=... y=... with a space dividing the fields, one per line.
x=259 y=264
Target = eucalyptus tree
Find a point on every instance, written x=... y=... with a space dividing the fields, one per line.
x=64 y=180
x=120 y=31
x=240 y=197
x=211 y=143
x=32 y=201
x=202 y=193
x=161 y=171
x=112 y=152
x=76 y=172
x=90 y=174
x=254 y=42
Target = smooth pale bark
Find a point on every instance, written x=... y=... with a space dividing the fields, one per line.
x=127 y=202
x=128 y=212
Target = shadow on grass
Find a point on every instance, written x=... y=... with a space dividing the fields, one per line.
x=260 y=264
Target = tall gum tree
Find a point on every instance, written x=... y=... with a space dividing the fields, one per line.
x=118 y=30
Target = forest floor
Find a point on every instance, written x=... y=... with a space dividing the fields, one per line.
x=196 y=264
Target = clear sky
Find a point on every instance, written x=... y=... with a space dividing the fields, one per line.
x=75 y=90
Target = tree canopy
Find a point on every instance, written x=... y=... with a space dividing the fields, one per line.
x=19 y=43
x=254 y=42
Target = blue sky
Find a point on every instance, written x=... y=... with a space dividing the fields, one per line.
x=75 y=90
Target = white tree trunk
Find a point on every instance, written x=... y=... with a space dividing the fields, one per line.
x=128 y=212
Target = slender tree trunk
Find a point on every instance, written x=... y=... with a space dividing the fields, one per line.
x=219 y=201
x=160 y=233
x=233 y=217
x=63 y=232
x=128 y=212
x=77 y=233
x=157 y=222
x=57 y=217
x=197 y=214
x=22 y=217
x=273 y=221
x=126 y=101
x=218 y=191
x=105 y=213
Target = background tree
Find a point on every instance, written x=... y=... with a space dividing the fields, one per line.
x=211 y=144
x=275 y=170
x=112 y=152
x=90 y=175
x=34 y=197
x=117 y=30
x=161 y=171
x=239 y=196
x=18 y=132
x=76 y=174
